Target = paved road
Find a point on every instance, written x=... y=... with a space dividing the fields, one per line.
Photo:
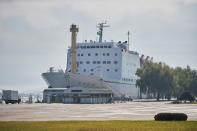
x=118 y=111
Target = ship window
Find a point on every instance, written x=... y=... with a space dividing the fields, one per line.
x=109 y=46
x=87 y=62
x=97 y=46
x=101 y=46
x=98 y=62
x=89 y=54
x=108 y=62
x=78 y=54
x=81 y=62
x=107 y=54
x=92 y=46
x=94 y=62
x=116 y=70
x=116 y=54
x=103 y=54
x=92 y=70
x=107 y=70
x=115 y=62
x=88 y=46
x=76 y=90
x=96 y=54
x=77 y=70
x=84 y=47
x=84 y=70
x=105 y=46
x=81 y=54
x=104 y=62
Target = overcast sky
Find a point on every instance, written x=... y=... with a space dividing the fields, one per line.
x=34 y=35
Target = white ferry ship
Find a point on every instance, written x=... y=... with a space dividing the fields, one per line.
x=98 y=63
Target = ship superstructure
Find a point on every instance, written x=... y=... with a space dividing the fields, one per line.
x=113 y=61
x=95 y=61
x=110 y=60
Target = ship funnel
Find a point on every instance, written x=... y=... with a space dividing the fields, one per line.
x=74 y=29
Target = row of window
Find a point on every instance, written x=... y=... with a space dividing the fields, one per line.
x=84 y=70
x=96 y=62
x=96 y=54
x=101 y=46
x=127 y=79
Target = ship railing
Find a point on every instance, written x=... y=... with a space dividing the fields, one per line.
x=52 y=69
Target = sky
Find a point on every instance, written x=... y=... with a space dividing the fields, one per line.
x=34 y=34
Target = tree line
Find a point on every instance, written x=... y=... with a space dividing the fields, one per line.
x=158 y=80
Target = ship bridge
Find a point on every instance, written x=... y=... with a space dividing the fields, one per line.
x=92 y=44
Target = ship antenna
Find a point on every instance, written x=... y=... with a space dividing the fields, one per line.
x=100 y=26
x=128 y=39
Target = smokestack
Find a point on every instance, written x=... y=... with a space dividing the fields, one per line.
x=74 y=30
x=147 y=58
x=151 y=59
x=142 y=60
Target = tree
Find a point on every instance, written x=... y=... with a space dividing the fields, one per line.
x=155 y=79
x=187 y=96
x=161 y=81
x=193 y=83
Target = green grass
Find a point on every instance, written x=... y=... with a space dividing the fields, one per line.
x=100 y=126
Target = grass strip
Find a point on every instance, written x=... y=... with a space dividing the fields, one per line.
x=118 y=125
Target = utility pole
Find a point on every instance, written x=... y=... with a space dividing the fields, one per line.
x=74 y=30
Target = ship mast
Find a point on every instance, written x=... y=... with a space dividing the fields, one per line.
x=128 y=39
x=74 y=30
x=100 y=26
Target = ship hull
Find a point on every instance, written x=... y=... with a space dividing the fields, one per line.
x=125 y=89
x=59 y=80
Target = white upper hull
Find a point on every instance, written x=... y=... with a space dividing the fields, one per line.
x=59 y=80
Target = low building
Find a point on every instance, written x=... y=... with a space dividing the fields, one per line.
x=82 y=95
x=53 y=95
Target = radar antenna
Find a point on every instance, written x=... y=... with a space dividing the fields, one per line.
x=100 y=26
